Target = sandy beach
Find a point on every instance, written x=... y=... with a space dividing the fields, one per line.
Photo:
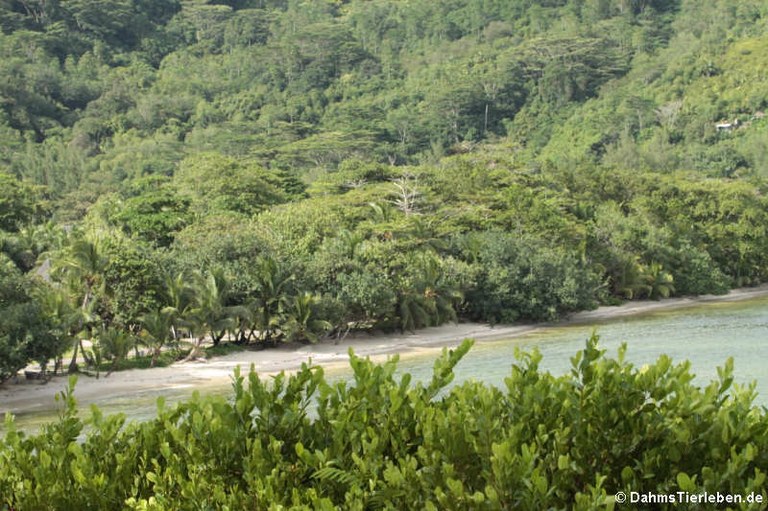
x=33 y=396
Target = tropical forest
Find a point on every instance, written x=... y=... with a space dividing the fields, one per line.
x=182 y=179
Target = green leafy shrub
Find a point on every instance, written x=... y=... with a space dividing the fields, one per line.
x=381 y=442
x=524 y=278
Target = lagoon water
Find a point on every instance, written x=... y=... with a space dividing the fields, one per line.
x=706 y=334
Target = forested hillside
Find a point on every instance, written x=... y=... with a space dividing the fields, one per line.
x=258 y=171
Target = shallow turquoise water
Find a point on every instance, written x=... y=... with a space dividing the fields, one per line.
x=705 y=334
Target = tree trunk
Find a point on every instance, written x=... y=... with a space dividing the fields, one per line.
x=195 y=352
x=88 y=359
x=84 y=306
x=73 y=363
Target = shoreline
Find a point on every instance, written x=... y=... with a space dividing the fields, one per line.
x=33 y=397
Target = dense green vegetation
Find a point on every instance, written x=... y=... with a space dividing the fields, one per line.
x=257 y=171
x=178 y=173
x=382 y=442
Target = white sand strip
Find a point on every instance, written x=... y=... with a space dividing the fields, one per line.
x=34 y=396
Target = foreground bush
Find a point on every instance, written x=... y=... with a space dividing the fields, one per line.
x=380 y=442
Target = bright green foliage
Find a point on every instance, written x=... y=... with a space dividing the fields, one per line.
x=714 y=213
x=225 y=240
x=382 y=442
x=215 y=183
x=660 y=284
x=154 y=214
x=303 y=323
x=300 y=88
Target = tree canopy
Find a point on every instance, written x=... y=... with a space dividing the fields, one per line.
x=265 y=171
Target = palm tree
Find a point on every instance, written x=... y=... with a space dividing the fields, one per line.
x=420 y=233
x=81 y=266
x=178 y=295
x=412 y=310
x=629 y=278
x=381 y=213
x=114 y=343
x=157 y=328
x=349 y=241
x=208 y=314
x=66 y=318
x=659 y=282
x=243 y=323
x=302 y=324
x=269 y=297
x=427 y=298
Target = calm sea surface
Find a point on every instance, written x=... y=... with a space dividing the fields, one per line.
x=705 y=334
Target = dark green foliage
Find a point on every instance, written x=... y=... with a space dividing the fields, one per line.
x=132 y=283
x=27 y=331
x=367 y=296
x=13 y=308
x=382 y=442
x=522 y=278
x=700 y=275
x=427 y=294
x=20 y=203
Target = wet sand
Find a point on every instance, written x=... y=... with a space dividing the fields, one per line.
x=33 y=396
